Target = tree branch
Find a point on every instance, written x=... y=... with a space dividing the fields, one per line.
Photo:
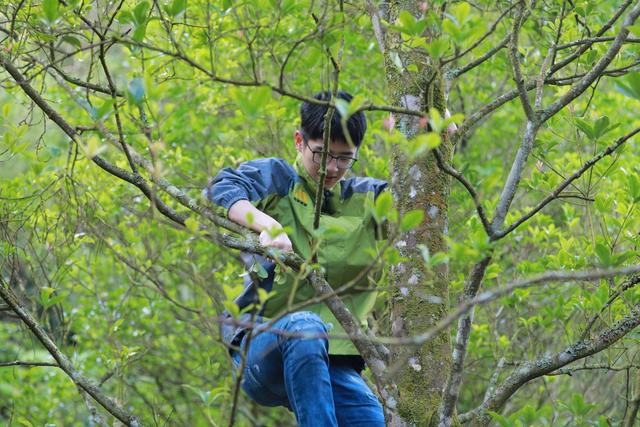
x=473 y=64
x=556 y=193
x=470 y=189
x=515 y=62
x=544 y=365
x=633 y=281
x=454 y=379
x=28 y=364
x=587 y=45
x=478 y=42
x=361 y=340
x=515 y=174
x=63 y=362
x=594 y=40
x=596 y=71
x=484 y=111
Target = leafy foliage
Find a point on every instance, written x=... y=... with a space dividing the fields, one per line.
x=202 y=85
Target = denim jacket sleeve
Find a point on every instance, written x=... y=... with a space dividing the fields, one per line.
x=254 y=181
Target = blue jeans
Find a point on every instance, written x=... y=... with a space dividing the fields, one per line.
x=294 y=371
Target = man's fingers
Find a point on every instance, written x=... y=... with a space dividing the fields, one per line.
x=281 y=241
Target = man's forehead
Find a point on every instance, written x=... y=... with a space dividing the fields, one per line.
x=336 y=147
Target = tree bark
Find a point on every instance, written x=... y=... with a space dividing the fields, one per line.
x=419 y=295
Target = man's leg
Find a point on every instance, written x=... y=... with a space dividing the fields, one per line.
x=292 y=371
x=355 y=404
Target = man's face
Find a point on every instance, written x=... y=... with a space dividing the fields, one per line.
x=336 y=148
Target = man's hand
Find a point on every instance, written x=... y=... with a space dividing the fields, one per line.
x=280 y=241
x=272 y=235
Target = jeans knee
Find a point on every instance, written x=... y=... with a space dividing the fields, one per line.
x=307 y=322
x=305 y=331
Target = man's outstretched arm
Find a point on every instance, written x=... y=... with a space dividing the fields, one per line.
x=271 y=231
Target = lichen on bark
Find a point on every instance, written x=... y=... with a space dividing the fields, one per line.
x=419 y=295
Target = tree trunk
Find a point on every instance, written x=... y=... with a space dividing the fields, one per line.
x=419 y=295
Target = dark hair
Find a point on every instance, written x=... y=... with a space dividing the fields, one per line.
x=312 y=120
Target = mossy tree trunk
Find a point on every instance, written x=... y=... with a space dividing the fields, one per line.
x=419 y=295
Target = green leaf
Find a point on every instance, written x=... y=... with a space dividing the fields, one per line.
x=600 y=126
x=232 y=292
x=104 y=110
x=24 y=422
x=629 y=85
x=409 y=24
x=422 y=144
x=126 y=17
x=45 y=295
x=51 y=11
x=435 y=120
x=56 y=299
x=452 y=29
x=140 y=32
x=578 y=405
x=263 y=295
x=438 y=258
x=72 y=41
x=603 y=203
x=633 y=184
x=438 y=48
x=383 y=206
x=411 y=220
x=140 y=13
x=259 y=270
x=603 y=253
x=280 y=278
x=205 y=396
x=342 y=106
x=501 y=419
x=461 y=12
x=586 y=128
x=177 y=8
x=356 y=103
x=232 y=308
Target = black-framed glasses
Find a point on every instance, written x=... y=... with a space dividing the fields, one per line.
x=342 y=162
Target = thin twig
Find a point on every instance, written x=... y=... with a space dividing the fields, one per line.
x=515 y=61
x=597 y=69
x=622 y=289
x=478 y=42
x=483 y=58
x=555 y=194
x=470 y=189
x=63 y=362
x=28 y=364
x=544 y=365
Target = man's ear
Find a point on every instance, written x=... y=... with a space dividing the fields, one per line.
x=297 y=137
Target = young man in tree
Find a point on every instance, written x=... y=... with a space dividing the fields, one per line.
x=294 y=363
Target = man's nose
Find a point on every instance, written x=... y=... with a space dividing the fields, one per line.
x=332 y=164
